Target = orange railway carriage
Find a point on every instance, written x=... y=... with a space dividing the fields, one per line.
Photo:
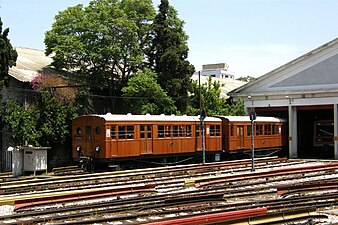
x=269 y=133
x=112 y=138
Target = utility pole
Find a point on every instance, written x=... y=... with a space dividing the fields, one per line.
x=202 y=116
x=252 y=118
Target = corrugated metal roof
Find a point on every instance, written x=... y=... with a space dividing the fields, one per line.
x=29 y=64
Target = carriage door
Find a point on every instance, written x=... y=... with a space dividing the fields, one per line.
x=240 y=137
x=146 y=137
x=88 y=141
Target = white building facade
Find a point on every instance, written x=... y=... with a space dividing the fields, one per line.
x=218 y=70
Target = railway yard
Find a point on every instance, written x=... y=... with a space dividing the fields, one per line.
x=279 y=191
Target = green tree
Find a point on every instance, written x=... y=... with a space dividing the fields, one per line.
x=47 y=120
x=144 y=95
x=21 y=124
x=246 y=79
x=46 y=124
x=54 y=120
x=211 y=101
x=104 y=42
x=168 y=55
x=8 y=55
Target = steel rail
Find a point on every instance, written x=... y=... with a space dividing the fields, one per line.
x=200 y=182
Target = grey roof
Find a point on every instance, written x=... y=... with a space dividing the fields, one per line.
x=29 y=64
x=276 y=72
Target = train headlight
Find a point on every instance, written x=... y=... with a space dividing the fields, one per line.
x=97 y=149
x=78 y=148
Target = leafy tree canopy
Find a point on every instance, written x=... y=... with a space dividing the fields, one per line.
x=45 y=123
x=8 y=55
x=103 y=42
x=211 y=101
x=168 y=55
x=144 y=95
x=246 y=79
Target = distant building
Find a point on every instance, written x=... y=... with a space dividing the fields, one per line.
x=227 y=85
x=218 y=70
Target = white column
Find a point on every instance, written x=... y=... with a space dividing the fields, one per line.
x=292 y=132
x=335 y=121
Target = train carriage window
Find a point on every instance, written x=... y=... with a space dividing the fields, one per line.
x=122 y=132
x=274 y=129
x=259 y=129
x=212 y=130
x=160 y=131
x=130 y=132
x=113 y=132
x=198 y=131
x=231 y=130
x=142 y=132
x=78 y=131
x=167 y=131
x=88 y=132
x=145 y=131
x=267 y=129
x=218 y=130
x=126 y=132
x=175 y=130
x=98 y=130
x=181 y=131
x=248 y=130
x=188 y=130
x=215 y=130
x=149 y=131
x=78 y=136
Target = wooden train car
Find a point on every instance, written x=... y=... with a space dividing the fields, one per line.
x=269 y=133
x=115 y=138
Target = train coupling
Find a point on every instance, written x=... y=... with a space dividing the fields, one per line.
x=87 y=163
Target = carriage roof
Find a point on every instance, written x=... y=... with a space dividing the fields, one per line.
x=173 y=118
x=159 y=118
x=247 y=119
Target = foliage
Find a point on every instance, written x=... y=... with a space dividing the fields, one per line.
x=62 y=89
x=144 y=95
x=48 y=121
x=168 y=55
x=21 y=124
x=8 y=55
x=54 y=120
x=246 y=79
x=211 y=101
x=103 y=42
x=47 y=124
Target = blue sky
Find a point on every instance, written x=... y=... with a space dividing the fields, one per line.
x=252 y=36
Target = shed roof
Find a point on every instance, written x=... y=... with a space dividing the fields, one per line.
x=311 y=71
x=29 y=64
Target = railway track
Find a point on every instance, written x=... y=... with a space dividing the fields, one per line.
x=294 y=188
x=159 y=175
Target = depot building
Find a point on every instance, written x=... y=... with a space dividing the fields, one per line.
x=305 y=92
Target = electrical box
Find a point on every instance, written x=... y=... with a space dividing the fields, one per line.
x=35 y=159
